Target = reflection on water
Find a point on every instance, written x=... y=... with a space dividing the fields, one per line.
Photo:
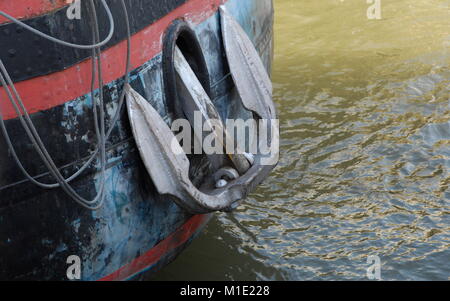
x=365 y=123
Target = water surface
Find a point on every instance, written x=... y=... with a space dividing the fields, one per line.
x=365 y=124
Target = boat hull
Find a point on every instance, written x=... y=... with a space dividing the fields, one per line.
x=137 y=230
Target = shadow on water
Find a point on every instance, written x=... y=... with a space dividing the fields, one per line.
x=365 y=123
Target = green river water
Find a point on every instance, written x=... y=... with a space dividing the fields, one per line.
x=365 y=152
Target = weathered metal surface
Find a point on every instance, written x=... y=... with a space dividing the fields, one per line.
x=165 y=250
x=39 y=228
x=30 y=9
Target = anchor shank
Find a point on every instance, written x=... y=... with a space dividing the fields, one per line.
x=198 y=100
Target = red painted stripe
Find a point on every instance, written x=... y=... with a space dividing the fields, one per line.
x=44 y=92
x=28 y=8
x=173 y=241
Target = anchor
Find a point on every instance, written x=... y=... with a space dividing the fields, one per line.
x=163 y=156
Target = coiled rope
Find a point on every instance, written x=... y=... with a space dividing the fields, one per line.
x=102 y=137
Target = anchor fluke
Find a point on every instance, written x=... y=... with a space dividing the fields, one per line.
x=247 y=69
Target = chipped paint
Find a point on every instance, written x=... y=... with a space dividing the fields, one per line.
x=135 y=217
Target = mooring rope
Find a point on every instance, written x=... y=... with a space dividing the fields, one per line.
x=102 y=137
